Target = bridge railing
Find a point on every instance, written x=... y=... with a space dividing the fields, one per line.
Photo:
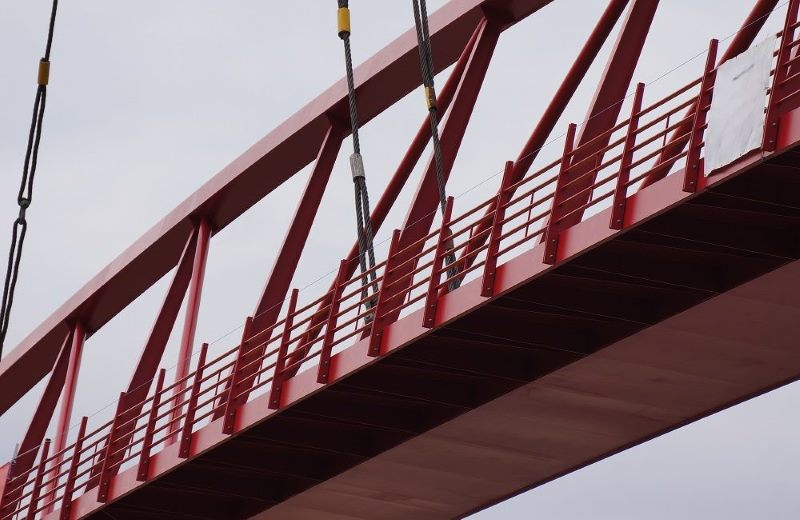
x=585 y=180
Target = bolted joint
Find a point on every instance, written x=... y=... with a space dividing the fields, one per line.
x=357 y=166
x=343 y=22
x=44 y=72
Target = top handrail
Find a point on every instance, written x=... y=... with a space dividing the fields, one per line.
x=294 y=320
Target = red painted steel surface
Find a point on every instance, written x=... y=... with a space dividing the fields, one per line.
x=371 y=372
x=651 y=382
x=401 y=335
x=194 y=295
x=381 y=81
x=26 y=453
x=77 y=338
x=593 y=140
x=744 y=37
x=193 y=299
x=555 y=109
x=280 y=278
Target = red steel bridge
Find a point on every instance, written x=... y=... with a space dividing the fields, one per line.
x=620 y=291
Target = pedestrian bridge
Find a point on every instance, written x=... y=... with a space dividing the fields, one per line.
x=622 y=290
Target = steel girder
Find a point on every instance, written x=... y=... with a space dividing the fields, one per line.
x=467 y=29
x=381 y=81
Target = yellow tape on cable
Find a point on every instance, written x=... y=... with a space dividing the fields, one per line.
x=343 y=19
x=430 y=97
x=44 y=72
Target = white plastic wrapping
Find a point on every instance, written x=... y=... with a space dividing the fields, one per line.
x=736 y=117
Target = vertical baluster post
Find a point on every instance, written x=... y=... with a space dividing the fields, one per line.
x=283 y=353
x=323 y=373
x=385 y=297
x=36 y=492
x=553 y=223
x=624 y=176
x=503 y=197
x=69 y=486
x=777 y=91
x=443 y=244
x=191 y=408
x=692 y=173
x=147 y=441
x=110 y=456
x=232 y=401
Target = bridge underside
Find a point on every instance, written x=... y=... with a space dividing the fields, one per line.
x=640 y=387
x=598 y=354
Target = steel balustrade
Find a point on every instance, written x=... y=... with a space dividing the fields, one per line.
x=521 y=215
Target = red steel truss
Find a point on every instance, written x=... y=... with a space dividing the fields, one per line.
x=291 y=348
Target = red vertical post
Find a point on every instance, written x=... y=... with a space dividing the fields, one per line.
x=748 y=31
x=283 y=352
x=420 y=215
x=37 y=483
x=110 y=456
x=276 y=288
x=190 y=320
x=385 y=297
x=770 y=141
x=69 y=486
x=605 y=109
x=150 y=358
x=232 y=400
x=191 y=408
x=569 y=85
x=5 y=482
x=145 y=372
x=333 y=312
x=442 y=246
x=556 y=108
x=67 y=398
x=624 y=176
x=403 y=171
x=503 y=197
x=553 y=224
x=692 y=173
x=147 y=441
x=28 y=449
x=71 y=383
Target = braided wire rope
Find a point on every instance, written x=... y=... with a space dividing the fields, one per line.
x=426 y=67
x=19 y=228
x=366 y=256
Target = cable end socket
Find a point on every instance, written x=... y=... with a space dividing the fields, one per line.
x=357 y=166
x=343 y=21
x=44 y=72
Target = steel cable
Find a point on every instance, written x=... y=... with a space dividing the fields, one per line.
x=25 y=196
x=472 y=188
x=426 y=68
x=366 y=256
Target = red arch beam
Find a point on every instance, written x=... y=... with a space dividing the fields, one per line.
x=381 y=81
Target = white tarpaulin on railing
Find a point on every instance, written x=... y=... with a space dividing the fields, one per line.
x=736 y=117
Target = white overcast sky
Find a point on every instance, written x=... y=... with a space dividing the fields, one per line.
x=149 y=99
